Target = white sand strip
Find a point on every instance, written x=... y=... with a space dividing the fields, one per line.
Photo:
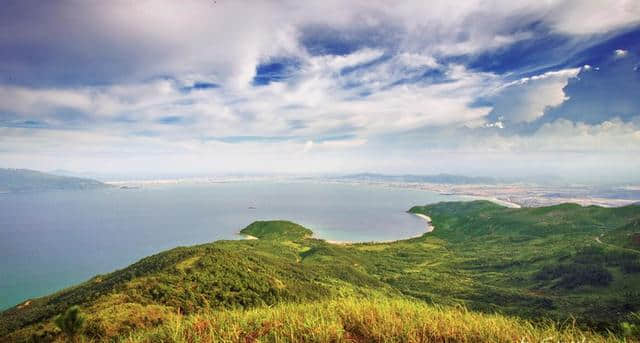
x=428 y=219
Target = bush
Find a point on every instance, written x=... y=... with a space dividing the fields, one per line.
x=71 y=322
x=630 y=266
x=575 y=275
x=552 y=272
x=582 y=275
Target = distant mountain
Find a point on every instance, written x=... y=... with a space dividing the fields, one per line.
x=437 y=178
x=22 y=180
x=64 y=172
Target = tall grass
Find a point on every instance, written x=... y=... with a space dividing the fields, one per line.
x=358 y=320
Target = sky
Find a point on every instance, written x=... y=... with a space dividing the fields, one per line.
x=506 y=88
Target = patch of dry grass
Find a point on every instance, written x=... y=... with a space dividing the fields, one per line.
x=358 y=320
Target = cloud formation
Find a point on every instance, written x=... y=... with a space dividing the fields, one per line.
x=333 y=82
x=526 y=99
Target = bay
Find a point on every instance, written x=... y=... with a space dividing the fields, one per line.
x=51 y=240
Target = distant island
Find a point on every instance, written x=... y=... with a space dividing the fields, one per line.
x=485 y=273
x=26 y=180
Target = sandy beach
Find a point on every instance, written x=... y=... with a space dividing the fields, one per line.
x=428 y=219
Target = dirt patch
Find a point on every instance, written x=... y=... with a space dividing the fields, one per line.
x=25 y=304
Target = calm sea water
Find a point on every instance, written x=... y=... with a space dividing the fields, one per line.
x=51 y=240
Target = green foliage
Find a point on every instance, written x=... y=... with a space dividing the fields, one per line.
x=71 y=322
x=631 y=329
x=530 y=263
x=277 y=229
x=581 y=275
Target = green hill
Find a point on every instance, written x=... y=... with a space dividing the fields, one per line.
x=276 y=230
x=23 y=180
x=513 y=271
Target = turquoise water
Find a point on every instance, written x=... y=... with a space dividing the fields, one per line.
x=51 y=240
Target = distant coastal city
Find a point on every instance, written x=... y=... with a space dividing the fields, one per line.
x=509 y=194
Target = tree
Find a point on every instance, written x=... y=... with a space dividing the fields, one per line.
x=70 y=322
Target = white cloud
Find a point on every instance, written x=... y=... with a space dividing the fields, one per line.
x=225 y=40
x=526 y=99
x=308 y=146
x=497 y=124
x=580 y=17
x=620 y=53
x=329 y=96
x=321 y=97
x=561 y=135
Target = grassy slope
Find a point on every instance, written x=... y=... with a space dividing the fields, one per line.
x=487 y=257
x=503 y=252
x=358 y=320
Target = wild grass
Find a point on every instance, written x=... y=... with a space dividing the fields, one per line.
x=359 y=320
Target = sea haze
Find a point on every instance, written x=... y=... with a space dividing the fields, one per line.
x=51 y=240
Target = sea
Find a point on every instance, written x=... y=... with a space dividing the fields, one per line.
x=54 y=239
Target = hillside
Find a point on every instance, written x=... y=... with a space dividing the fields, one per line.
x=539 y=265
x=23 y=180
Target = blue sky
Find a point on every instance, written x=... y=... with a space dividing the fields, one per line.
x=474 y=87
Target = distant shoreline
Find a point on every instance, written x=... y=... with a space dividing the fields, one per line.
x=512 y=195
x=430 y=227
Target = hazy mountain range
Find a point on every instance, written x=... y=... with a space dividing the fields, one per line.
x=22 y=180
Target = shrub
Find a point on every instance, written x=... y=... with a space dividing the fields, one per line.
x=71 y=322
x=582 y=275
x=575 y=275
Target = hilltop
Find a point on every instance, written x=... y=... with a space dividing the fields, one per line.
x=22 y=180
x=513 y=271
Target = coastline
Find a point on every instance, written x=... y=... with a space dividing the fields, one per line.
x=429 y=224
x=429 y=229
x=330 y=241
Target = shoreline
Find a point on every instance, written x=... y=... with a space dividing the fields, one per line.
x=430 y=227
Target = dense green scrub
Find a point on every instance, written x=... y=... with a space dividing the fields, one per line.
x=553 y=263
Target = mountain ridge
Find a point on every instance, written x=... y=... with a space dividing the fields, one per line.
x=24 y=180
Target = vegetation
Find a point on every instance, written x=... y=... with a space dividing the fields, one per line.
x=276 y=229
x=71 y=322
x=358 y=320
x=517 y=271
